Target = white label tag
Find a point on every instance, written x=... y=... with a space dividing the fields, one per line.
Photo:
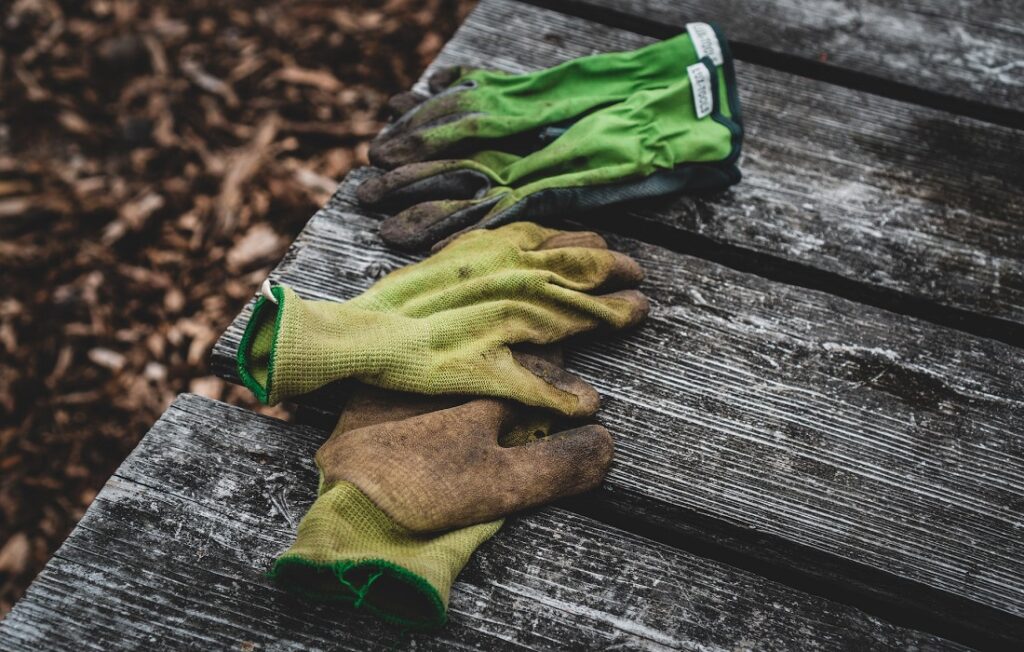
x=700 y=80
x=705 y=41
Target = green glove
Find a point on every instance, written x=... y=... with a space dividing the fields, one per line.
x=482 y=105
x=446 y=325
x=348 y=549
x=680 y=138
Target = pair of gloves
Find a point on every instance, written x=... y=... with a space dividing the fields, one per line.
x=416 y=475
x=489 y=148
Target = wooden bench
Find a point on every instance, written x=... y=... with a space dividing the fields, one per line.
x=819 y=429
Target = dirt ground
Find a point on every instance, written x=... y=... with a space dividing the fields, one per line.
x=156 y=158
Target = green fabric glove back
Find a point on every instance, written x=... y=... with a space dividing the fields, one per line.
x=482 y=105
x=446 y=325
x=657 y=142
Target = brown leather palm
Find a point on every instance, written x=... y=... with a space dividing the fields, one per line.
x=446 y=468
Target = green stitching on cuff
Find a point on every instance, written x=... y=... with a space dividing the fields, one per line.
x=242 y=358
x=357 y=597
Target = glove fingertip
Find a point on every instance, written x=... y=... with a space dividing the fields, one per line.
x=396 y=150
x=600 y=449
x=443 y=78
x=637 y=303
x=587 y=239
x=626 y=271
x=371 y=192
x=587 y=400
x=404 y=102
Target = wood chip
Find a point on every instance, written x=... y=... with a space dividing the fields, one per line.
x=106 y=358
x=15 y=553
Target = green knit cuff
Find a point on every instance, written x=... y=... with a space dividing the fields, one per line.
x=348 y=550
x=297 y=346
x=256 y=351
x=382 y=588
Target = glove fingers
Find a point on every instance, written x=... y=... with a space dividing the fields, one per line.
x=420 y=182
x=423 y=224
x=483 y=418
x=405 y=101
x=406 y=140
x=486 y=222
x=564 y=464
x=524 y=235
x=581 y=268
x=625 y=308
x=556 y=313
x=368 y=406
x=557 y=387
x=587 y=239
x=442 y=78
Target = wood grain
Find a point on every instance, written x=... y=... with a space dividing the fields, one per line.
x=867 y=436
x=902 y=201
x=958 y=50
x=171 y=556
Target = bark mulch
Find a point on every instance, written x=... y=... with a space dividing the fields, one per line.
x=156 y=158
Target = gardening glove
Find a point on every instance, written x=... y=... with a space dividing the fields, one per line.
x=446 y=469
x=348 y=549
x=471 y=107
x=681 y=138
x=445 y=325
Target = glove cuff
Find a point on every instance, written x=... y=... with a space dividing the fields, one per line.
x=292 y=346
x=348 y=550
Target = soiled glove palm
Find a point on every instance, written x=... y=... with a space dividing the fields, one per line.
x=446 y=325
x=348 y=549
x=471 y=106
x=681 y=138
x=446 y=469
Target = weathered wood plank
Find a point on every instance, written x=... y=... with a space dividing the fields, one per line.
x=968 y=50
x=844 y=430
x=901 y=200
x=172 y=552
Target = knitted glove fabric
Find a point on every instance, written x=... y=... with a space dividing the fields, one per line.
x=440 y=470
x=473 y=106
x=348 y=549
x=446 y=325
x=657 y=142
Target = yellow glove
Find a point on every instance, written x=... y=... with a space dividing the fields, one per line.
x=446 y=325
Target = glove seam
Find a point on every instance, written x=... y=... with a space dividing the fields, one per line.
x=357 y=596
x=262 y=393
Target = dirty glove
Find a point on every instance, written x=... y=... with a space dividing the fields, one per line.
x=446 y=325
x=446 y=469
x=348 y=549
x=680 y=138
x=476 y=107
